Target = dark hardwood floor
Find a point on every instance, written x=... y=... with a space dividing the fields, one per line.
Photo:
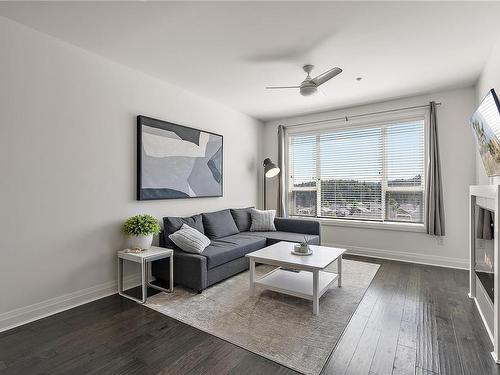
x=413 y=319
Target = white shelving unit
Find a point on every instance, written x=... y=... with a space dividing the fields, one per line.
x=487 y=197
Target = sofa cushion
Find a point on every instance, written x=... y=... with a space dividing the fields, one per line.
x=223 y=250
x=190 y=239
x=242 y=218
x=173 y=224
x=219 y=224
x=262 y=220
x=275 y=237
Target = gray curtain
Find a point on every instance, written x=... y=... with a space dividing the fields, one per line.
x=434 y=192
x=281 y=206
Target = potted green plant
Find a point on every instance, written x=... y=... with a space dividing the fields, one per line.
x=140 y=230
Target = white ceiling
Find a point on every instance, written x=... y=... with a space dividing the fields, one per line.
x=230 y=51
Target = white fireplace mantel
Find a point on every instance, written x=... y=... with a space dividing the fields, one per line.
x=487 y=197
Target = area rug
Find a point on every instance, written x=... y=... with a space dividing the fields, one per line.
x=276 y=326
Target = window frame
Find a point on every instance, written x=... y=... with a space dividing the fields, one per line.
x=383 y=121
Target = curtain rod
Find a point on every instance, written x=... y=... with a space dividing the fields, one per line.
x=346 y=118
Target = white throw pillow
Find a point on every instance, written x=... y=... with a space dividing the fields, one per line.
x=190 y=239
x=262 y=221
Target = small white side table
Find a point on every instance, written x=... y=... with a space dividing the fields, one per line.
x=145 y=258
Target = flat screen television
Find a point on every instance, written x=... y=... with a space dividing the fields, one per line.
x=485 y=122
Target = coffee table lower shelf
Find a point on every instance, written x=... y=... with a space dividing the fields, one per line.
x=296 y=283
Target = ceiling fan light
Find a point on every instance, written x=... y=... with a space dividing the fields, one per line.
x=308 y=90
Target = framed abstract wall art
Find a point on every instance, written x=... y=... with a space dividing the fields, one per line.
x=176 y=161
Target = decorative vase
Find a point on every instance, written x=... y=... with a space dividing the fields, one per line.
x=141 y=242
x=304 y=248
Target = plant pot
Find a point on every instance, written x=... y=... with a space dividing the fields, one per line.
x=304 y=248
x=141 y=242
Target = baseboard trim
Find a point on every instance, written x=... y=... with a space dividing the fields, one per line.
x=403 y=256
x=27 y=314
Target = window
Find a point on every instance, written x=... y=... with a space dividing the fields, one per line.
x=369 y=172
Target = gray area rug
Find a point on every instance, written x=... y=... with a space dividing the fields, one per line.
x=276 y=326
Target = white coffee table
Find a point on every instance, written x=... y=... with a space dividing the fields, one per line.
x=297 y=275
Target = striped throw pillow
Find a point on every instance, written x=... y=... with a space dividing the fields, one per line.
x=262 y=221
x=190 y=240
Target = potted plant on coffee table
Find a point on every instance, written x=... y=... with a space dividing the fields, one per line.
x=140 y=230
x=303 y=248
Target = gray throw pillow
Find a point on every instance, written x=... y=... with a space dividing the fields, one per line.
x=262 y=221
x=219 y=224
x=242 y=218
x=190 y=239
x=172 y=224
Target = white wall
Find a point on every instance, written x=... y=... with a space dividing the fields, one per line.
x=67 y=161
x=458 y=169
x=489 y=79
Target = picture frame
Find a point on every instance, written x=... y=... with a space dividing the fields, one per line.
x=177 y=162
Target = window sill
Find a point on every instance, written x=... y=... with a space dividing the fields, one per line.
x=403 y=227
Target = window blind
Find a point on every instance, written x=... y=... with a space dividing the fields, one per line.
x=365 y=173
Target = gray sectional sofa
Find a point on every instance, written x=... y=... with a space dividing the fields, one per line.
x=231 y=239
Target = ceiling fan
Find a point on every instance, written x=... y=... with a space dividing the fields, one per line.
x=309 y=86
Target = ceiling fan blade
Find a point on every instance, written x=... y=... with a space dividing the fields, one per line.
x=323 y=77
x=283 y=87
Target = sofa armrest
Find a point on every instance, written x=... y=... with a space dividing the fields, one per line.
x=190 y=270
x=183 y=258
x=311 y=227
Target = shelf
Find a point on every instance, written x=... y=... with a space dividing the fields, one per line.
x=296 y=283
